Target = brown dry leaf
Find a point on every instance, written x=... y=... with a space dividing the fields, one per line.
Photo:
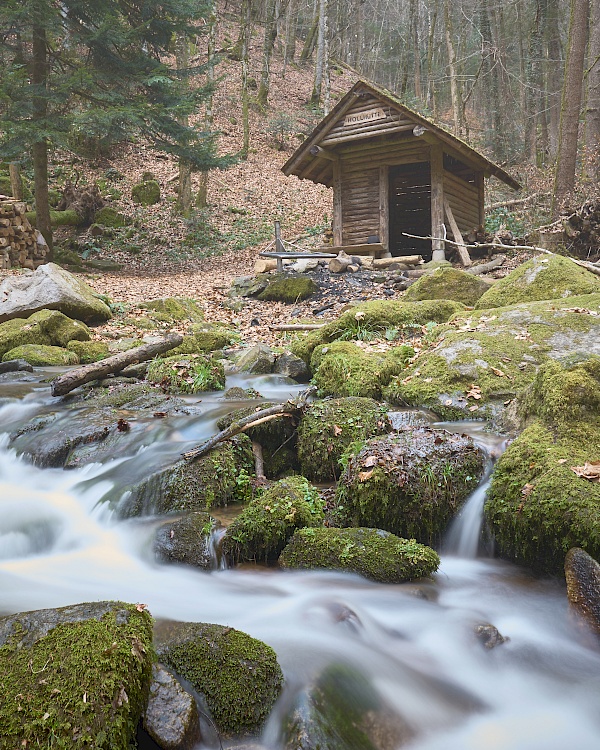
x=590 y=471
x=337 y=430
x=527 y=490
x=474 y=392
x=498 y=372
x=507 y=402
x=141 y=607
x=370 y=461
x=448 y=402
x=473 y=408
x=562 y=461
x=364 y=475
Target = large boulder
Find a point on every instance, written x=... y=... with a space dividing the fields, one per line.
x=289 y=290
x=40 y=355
x=482 y=360
x=46 y=328
x=171 y=715
x=266 y=524
x=544 y=277
x=187 y=373
x=237 y=675
x=75 y=677
x=256 y=360
x=328 y=427
x=372 y=553
x=186 y=540
x=544 y=497
x=448 y=283
x=169 y=309
x=50 y=287
x=411 y=483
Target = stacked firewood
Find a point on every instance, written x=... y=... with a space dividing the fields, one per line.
x=20 y=243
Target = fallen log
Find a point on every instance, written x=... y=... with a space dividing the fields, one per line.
x=296 y=326
x=485 y=267
x=66 y=383
x=289 y=409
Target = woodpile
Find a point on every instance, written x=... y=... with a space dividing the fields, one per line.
x=20 y=243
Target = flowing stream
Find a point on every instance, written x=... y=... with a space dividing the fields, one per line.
x=540 y=690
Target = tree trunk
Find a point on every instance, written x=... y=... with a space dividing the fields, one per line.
x=269 y=42
x=416 y=46
x=592 y=115
x=184 y=193
x=202 y=194
x=311 y=37
x=534 y=82
x=16 y=181
x=554 y=74
x=39 y=72
x=321 y=61
x=454 y=84
x=245 y=40
x=289 y=50
x=566 y=162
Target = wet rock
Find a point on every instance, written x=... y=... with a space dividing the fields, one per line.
x=292 y=367
x=411 y=483
x=448 y=283
x=40 y=355
x=257 y=360
x=264 y=527
x=237 y=675
x=50 y=287
x=582 y=573
x=15 y=365
x=342 y=710
x=171 y=715
x=52 y=687
x=192 y=373
x=489 y=636
x=241 y=393
x=186 y=540
x=328 y=427
x=542 y=278
x=372 y=553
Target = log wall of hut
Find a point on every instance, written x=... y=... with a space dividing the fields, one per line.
x=360 y=206
x=461 y=189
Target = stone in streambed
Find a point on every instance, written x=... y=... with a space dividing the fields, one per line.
x=171 y=715
x=15 y=365
x=40 y=355
x=448 y=283
x=186 y=540
x=582 y=573
x=47 y=327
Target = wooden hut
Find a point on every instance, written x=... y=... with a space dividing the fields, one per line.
x=393 y=173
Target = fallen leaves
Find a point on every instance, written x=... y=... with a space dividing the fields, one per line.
x=474 y=392
x=590 y=471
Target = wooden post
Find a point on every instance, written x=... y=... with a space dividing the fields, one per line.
x=278 y=243
x=480 y=185
x=465 y=258
x=436 y=161
x=337 y=204
x=384 y=207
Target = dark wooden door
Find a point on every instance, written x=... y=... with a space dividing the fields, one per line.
x=410 y=208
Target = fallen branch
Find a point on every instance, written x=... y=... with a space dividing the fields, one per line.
x=65 y=383
x=514 y=202
x=259 y=461
x=296 y=326
x=289 y=409
x=485 y=267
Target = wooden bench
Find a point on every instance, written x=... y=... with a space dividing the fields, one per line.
x=282 y=255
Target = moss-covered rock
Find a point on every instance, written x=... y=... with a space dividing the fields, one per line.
x=192 y=373
x=264 y=527
x=538 y=507
x=448 y=283
x=186 y=540
x=146 y=193
x=582 y=574
x=46 y=327
x=328 y=427
x=110 y=217
x=237 y=675
x=256 y=360
x=74 y=677
x=289 y=290
x=343 y=369
x=89 y=351
x=372 y=319
x=411 y=483
x=542 y=278
x=206 y=337
x=483 y=360
x=40 y=355
x=216 y=479
x=174 y=308
x=372 y=553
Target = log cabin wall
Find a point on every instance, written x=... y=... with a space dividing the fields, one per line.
x=461 y=189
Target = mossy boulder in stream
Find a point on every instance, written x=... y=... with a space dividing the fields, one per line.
x=75 y=677
x=187 y=373
x=174 y=308
x=411 y=483
x=46 y=327
x=483 y=359
x=39 y=355
x=372 y=319
x=89 y=351
x=542 y=278
x=448 y=283
x=543 y=498
x=289 y=290
x=264 y=527
x=238 y=676
x=206 y=337
x=328 y=427
x=215 y=479
x=186 y=540
x=372 y=553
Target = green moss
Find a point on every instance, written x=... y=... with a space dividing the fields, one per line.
x=216 y=479
x=238 y=676
x=89 y=351
x=264 y=527
x=372 y=319
x=120 y=396
x=329 y=427
x=193 y=373
x=411 y=483
x=40 y=355
x=146 y=193
x=448 y=283
x=110 y=217
x=542 y=278
x=68 y=218
x=66 y=257
x=47 y=327
x=82 y=685
x=174 y=308
x=289 y=290
x=372 y=553
x=207 y=337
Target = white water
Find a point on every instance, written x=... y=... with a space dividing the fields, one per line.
x=538 y=691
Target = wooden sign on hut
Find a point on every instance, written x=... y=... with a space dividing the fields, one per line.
x=394 y=173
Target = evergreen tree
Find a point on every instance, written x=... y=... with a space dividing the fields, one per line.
x=83 y=69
